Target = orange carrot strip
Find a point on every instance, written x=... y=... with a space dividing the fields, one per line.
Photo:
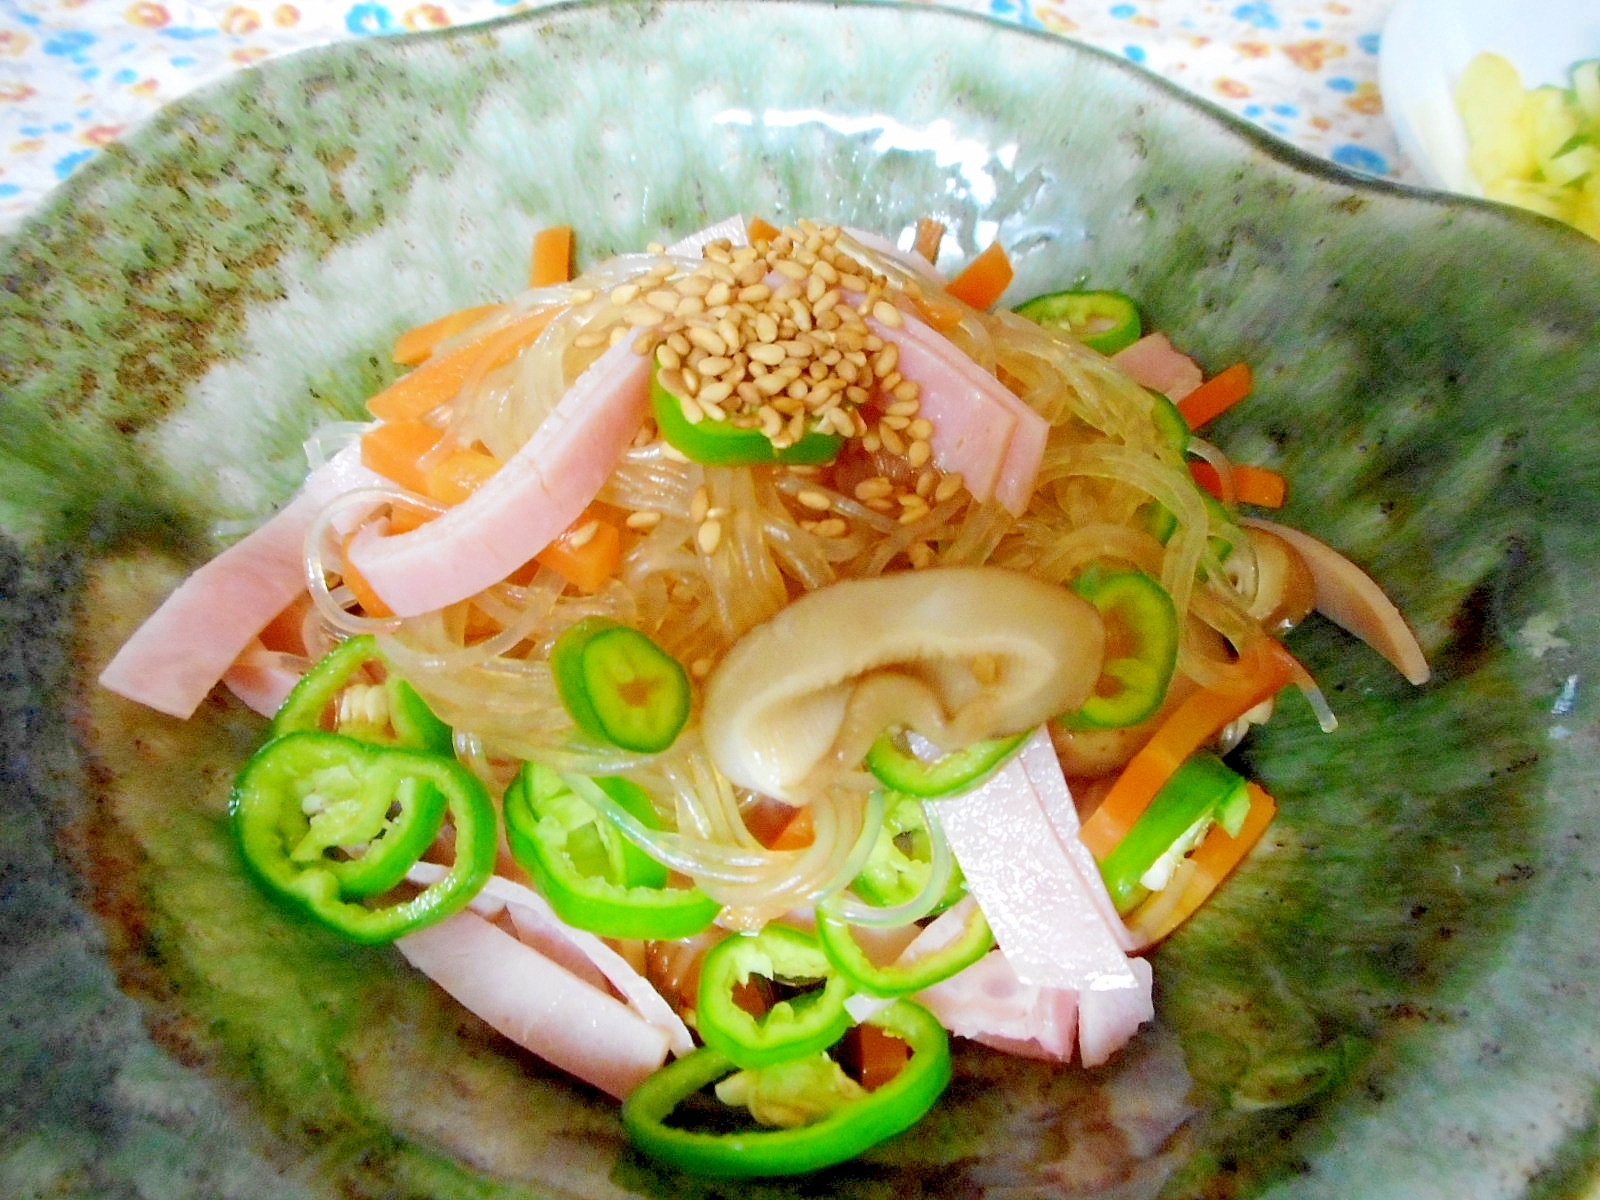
x=799 y=833
x=394 y=449
x=929 y=234
x=1216 y=395
x=1260 y=486
x=983 y=279
x=1214 y=860
x=456 y=476
x=588 y=563
x=403 y=518
x=881 y=1056
x=285 y=633
x=758 y=230
x=938 y=311
x=415 y=345
x=371 y=604
x=552 y=256
x=437 y=381
x=1261 y=672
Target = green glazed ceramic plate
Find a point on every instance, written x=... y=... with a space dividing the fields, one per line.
x=1398 y=997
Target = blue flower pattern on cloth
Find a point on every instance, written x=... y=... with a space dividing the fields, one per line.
x=76 y=74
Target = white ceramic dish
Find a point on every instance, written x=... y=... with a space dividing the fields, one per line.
x=1428 y=43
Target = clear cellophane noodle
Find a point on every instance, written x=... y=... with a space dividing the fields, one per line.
x=482 y=664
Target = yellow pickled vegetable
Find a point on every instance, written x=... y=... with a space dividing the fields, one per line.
x=1540 y=148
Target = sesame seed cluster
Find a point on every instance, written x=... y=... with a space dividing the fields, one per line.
x=774 y=336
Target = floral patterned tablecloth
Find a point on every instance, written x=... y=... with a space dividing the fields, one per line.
x=76 y=74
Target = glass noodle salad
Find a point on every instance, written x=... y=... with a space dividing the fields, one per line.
x=737 y=670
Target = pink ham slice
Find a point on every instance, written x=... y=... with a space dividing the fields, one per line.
x=176 y=657
x=988 y=1003
x=1154 y=362
x=1052 y=920
x=538 y=1005
x=261 y=678
x=980 y=428
x=536 y=494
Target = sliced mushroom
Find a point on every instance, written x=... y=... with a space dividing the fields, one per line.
x=956 y=654
x=1351 y=599
x=1286 y=592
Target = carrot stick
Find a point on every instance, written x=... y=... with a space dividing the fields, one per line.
x=1214 y=859
x=415 y=345
x=983 y=279
x=456 y=476
x=799 y=833
x=1261 y=672
x=586 y=557
x=758 y=230
x=1260 y=486
x=929 y=234
x=437 y=381
x=881 y=1056
x=1216 y=395
x=371 y=604
x=394 y=449
x=552 y=257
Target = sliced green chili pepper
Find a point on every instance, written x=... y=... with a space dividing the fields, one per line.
x=1201 y=792
x=844 y=952
x=897 y=869
x=898 y=768
x=619 y=686
x=811 y=1020
x=390 y=713
x=721 y=443
x=1169 y=421
x=1103 y=321
x=839 y=1137
x=595 y=878
x=323 y=821
x=1141 y=648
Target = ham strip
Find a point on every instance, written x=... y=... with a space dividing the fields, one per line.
x=1055 y=926
x=988 y=1003
x=1154 y=362
x=262 y=679
x=176 y=657
x=578 y=951
x=980 y=428
x=524 y=505
x=523 y=995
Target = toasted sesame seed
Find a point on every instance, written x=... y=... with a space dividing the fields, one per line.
x=887 y=314
x=624 y=294
x=712 y=408
x=948 y=487
x=699 y=504
x=771 y=421
x=642 y=316
x=870 y=442
x=896 y=423
x=728 y=331
x=672 y=453
x=875 y=487
x=766 y=328
x=589 y=338
x=797 y=427
x=664 y=300
x=581 y=296
x=920 y=554
x=790 y=269
x=708 y=536
x=833 y=527
x=851 y=281
x=856 y=394
x=694 y=284
x=708 y=340
x=771 y=384
x=689 y=306
x=689 y=382
x=926 y=482
x=655 y=247
x=886 y=360
x=767 y=353
x=892 y=441
x=645 y=518
x=880 y=504
x=691 y=411
x=714 y=393
x=712 y=365
x=701 y=667
x=617 y=334
x=755 y=293
x=919 y=452
x=907 y=389
x=679 y=342
x=747 y=392
x=903 y=408
x=582 y=535
x=921 y=429
x=667 y=358
x=814 y=499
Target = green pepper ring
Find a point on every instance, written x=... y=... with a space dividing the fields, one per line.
x=263 y=826
x=839 y=1137
x=722 y=444
x=842 y=949
x=1146 y=611
x=792 y=1028
x=415 y=725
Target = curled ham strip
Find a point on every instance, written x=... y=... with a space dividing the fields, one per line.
x=261 y=678
x=177 y=656
x=578 y=952
x=524 y=505
x=1055 y=926
x=536 y=1003
x=981 y=429
x=1154 y=362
